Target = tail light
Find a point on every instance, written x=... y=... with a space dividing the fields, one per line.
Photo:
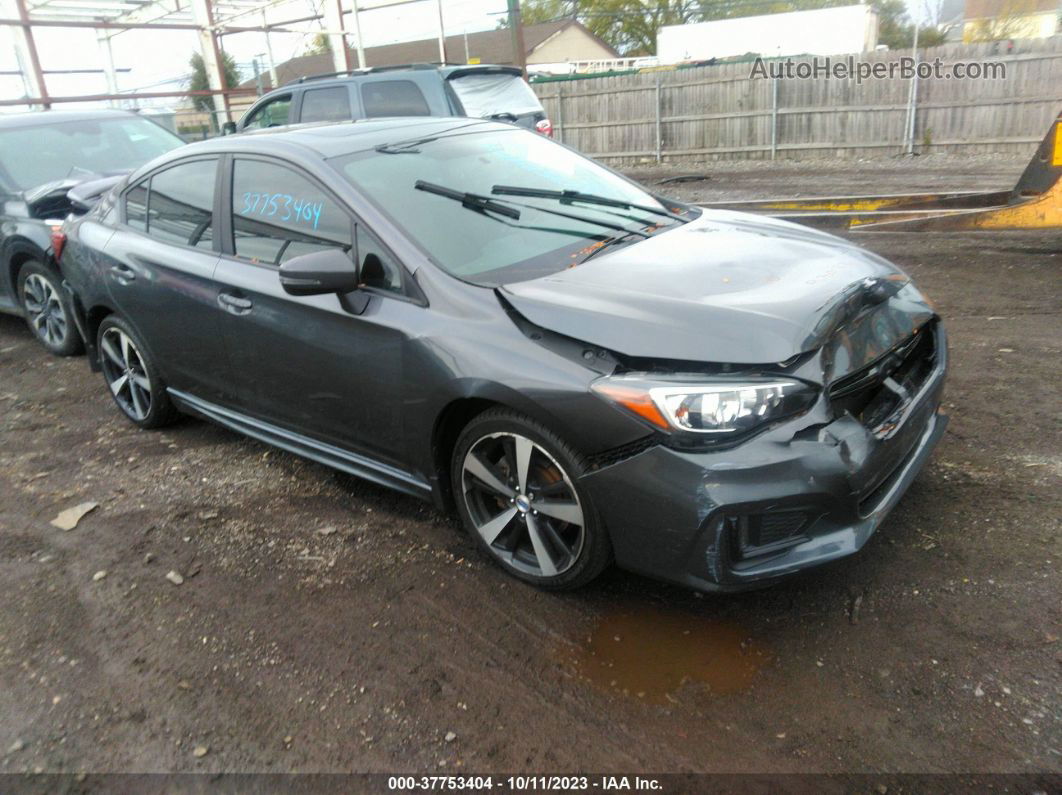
x=58 y=241
x=544 y=126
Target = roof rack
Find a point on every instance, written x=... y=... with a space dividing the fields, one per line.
x=368 y=70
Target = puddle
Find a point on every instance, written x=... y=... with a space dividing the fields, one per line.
x=651 y=654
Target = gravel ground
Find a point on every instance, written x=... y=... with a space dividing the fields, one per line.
x=325 y=624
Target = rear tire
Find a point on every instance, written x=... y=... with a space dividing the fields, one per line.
x=516 y=485
x=131 y=376
x=47 y=309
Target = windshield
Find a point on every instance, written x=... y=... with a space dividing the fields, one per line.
x=72 y=148
x=485 y=94
x=487 y=247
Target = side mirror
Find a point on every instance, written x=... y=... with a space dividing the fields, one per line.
x=319 y=273
x=228 y=128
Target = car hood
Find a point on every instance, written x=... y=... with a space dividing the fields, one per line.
x=727 y=287
x=87 y=187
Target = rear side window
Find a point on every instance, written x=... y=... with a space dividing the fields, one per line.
x=278 y=214
x=181 y=204
x=326 y=104
x=274 y=113
x=393 y=98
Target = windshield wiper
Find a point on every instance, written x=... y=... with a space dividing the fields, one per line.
x=403 y=147
x=477 y=201
x=569 y=196
x=473 y=201
x=606 y=243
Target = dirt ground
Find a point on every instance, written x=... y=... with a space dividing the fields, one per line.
x=326 y=624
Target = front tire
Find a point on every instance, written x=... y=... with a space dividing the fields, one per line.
x=131 y=376
x=47 y=310
x=516 y=485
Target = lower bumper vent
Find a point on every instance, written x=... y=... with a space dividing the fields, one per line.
x=760 y=534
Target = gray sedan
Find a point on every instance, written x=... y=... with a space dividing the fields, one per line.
x=471 y=313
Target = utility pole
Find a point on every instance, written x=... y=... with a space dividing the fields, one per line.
x=442 y=34
x=516 y=28
x=269 y=53
x=357 y=34
x=912 y=102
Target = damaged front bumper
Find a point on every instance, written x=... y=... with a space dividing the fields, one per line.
x=796 y=496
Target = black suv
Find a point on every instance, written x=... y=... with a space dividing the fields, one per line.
x=43 y=157
x=479 y=91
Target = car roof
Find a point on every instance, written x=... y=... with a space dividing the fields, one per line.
x=331 y=140
x=39 y=117
x=447 y=71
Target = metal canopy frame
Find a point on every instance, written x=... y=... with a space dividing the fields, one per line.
x=211 y=19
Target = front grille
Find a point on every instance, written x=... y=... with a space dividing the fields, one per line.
x=874 y=393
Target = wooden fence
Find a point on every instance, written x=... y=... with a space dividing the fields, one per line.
x=723 y=111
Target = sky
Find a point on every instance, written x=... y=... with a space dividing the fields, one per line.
x=158 y=58
x=155 y=57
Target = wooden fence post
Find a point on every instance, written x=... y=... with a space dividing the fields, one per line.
x=560 y=112
x=774 y=117
x=659 y=131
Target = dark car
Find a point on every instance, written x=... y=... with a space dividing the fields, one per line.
x=480 y=91
x=471 y=313
x=42 y=157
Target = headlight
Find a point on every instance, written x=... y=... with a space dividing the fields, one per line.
x=708 y=408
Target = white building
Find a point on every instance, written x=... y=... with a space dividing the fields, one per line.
x=824 y=31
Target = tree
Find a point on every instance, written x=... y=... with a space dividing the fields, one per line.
x=1012 y=22
x=630 y=26
x=897 y=32
x=199 y=81
x=319 y=45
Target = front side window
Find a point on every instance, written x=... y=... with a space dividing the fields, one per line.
x=136 y=206
x=278 y=214
x=326 y=104
x=181 y=204
x=377 y=267
x=393 y=98
x=274 y=113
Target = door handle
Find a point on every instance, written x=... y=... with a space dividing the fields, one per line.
x=123 y=273
x=234 y=304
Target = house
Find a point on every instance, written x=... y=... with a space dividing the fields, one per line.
x=560 y=41
x=546 y=43
x=992 y=20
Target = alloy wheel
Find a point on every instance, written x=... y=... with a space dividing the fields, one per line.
x=523 y=504
x=45 y=310
x=123 y=367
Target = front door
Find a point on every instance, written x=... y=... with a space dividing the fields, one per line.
x=325 y=366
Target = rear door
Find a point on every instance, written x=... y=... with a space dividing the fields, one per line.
x=326 y=366
x=160 y=272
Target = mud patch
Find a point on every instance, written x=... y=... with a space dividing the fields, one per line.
x=652 y=654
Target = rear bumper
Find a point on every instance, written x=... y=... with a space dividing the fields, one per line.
x=779 y=503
